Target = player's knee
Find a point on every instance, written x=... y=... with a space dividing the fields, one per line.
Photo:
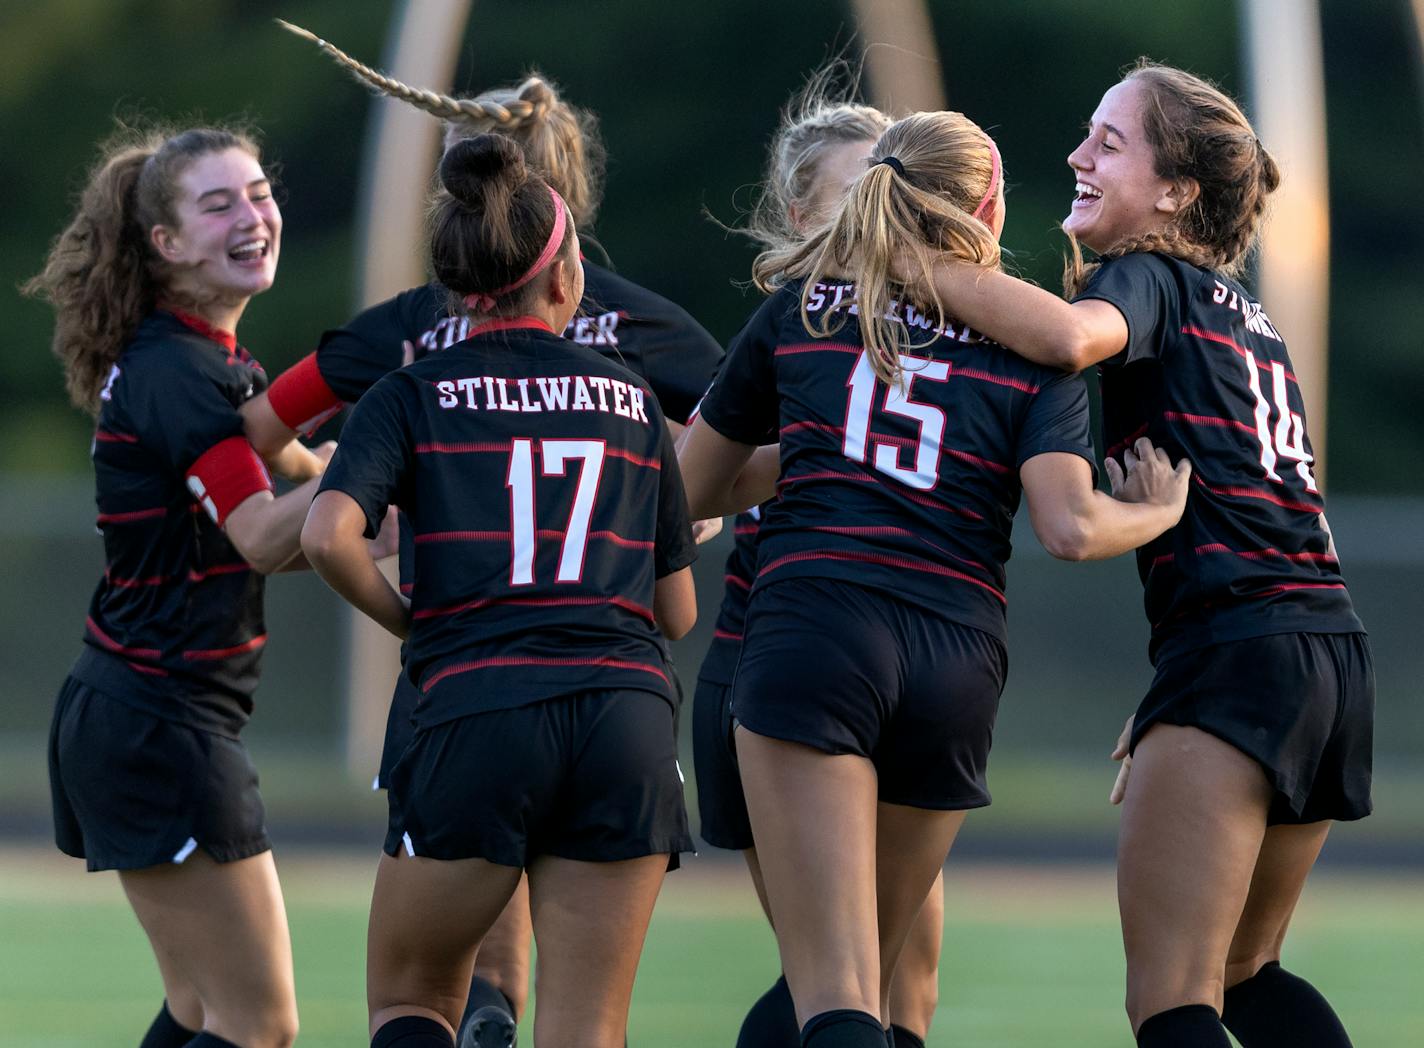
x=270 y=1027
x=1150 y=992
x=1241 y=966
x=509 y=975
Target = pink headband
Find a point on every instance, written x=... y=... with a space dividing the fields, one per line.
x=482 y=302
x=994 y=175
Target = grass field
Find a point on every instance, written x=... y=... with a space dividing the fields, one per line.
x=1032 y=956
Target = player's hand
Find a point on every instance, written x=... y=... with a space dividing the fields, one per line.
x=705 y=530
x=324 y=451
x=1119 y=753
x=1147 y=475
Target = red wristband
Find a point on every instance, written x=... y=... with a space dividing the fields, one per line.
x=225 y=475
x=301 y=398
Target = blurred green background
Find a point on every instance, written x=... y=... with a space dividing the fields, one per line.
x=688 y=96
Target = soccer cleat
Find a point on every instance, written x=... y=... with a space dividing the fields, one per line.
x=489 y=1027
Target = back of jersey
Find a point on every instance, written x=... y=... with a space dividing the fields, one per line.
x=544 y=498
x=909 y=487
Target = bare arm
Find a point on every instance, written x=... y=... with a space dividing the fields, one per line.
x=675 y=604
x=334 y=540
x=265 y=431
x=713 y=472
x=1034 y=323
x=1075 y=521
x=266 y=529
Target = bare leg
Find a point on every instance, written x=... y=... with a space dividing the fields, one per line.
x=1286 y=858
x=912 y=845
x=590 y=921
x=914 y=989
x=427 y=919
x=1193 y=822
x=503 y=960
x=814 y=818
x=220 y=933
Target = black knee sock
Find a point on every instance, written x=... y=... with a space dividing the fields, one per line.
x=903 y=1038
x=1190 y=1026
x=167 y=1032
x=1275 y=1008
x=485 y=994
x=843 y=1028
x=412 y=1031
x=210 y=1040
x=771 y=1023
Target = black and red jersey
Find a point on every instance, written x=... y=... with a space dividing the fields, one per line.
x=909 y=488
x=719 y=665
x=544 y=500
x=641 y=330
x=175 y=626
x=1206 y=375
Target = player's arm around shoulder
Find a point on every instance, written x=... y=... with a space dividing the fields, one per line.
x=1075 y=521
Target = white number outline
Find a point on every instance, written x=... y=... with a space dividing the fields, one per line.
x=554 y=455
x=1287 y=439
x=862 y=384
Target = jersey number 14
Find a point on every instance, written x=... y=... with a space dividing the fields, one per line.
x=1287 y=439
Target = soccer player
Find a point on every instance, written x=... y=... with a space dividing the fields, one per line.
x=874 y=650
x=821 y=147
x=1256 y=730
x=617 y=318
x=173 y=235
x=552 y=551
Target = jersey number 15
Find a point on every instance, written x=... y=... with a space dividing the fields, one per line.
x=923 y=474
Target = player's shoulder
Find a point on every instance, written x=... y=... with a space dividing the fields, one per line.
x=608 y=292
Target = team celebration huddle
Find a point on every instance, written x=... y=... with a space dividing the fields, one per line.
x=543 y=444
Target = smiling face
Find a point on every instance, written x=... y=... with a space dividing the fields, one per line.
x=224 y=247
x=1118 y=194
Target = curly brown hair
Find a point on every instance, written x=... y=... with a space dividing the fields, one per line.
x=102 y=275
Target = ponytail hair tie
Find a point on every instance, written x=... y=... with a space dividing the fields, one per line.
x=893 y=163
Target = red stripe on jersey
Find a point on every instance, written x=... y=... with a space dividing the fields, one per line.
x=617 y=540
x=998 y=380
x=462 y=536
x=816 y=347
x=1127 y=441
x=105 y=436
x=537 y=602
x=869 y=531
x=989 y=464
x=1212 y=336
x=473 y=448
x=746 y=529
x=407 y=588
x=1208 y=420
x=889 y=560
x=132 y=515
x=1255 y=493
x=820 y=427
x=152 y=671
x=436 y=448
x=738 y=581
x=154 y=580
x=1286 y=586
x=108 y=642
x=726 y=635
x=213 y=654
x=517 y=660
x=219 y=569
x=628 y=456
x=1262 y=554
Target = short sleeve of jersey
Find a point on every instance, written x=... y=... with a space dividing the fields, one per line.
x=374 y=455
x=674 y=548
x=1141 y=286
x=353 y=358
x=181 y=412
x=1057 y=420
x=742 y=403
